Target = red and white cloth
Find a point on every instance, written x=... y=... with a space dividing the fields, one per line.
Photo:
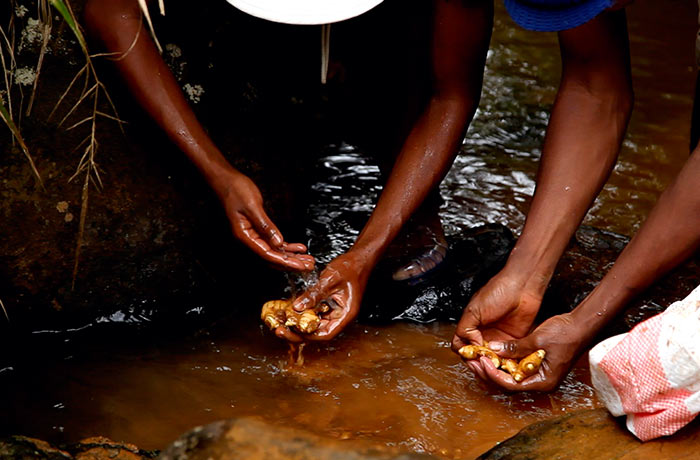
x=652 y=373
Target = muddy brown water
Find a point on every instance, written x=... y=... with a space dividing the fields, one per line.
x=398 y=385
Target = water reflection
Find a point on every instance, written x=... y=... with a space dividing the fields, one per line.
x=346 y=189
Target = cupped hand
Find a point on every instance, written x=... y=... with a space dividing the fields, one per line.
x=251 y=225
x=559 y=337
x=341 y=284
x=503 y=309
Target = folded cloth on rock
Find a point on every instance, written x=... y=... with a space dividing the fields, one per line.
x=652 y=373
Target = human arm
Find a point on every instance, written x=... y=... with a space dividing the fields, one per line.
x=670 y=235
x=586 y=128
x=119 y=26
x=461 y=34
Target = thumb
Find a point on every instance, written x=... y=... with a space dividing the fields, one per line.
x=312 y=296
x=468 y=327
x=514 y=349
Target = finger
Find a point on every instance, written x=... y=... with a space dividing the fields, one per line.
x=468 y=326
x=244 y=230
x=250 y=237
x=336 y=325
x=335 y=321
x=263 y=224
x=541 y=381
x=546 y=379
x=313 y=295
x=288 y=262
x=458 y=343
x=477 y=369
x=308 y=261
x=320 y=335
x=513 y=348
x=500 y=378
x=294 y=247
x=538 y=382
x=298 y=262
x=284 y=333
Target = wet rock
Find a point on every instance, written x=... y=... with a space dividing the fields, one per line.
x=472 y=259
x=101 y=448
x=248 y=438
x=97 y=448
x=479 y=253
x=21 y=447
x=592 y=435
x=144 y=242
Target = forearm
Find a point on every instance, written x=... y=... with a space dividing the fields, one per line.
x=580 y=151
x=584 y=135
x=669 y=236
x=461 y=34
x=427 y=155
x=117 y=23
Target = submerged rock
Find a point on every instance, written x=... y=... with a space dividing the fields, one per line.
x=592 y=435
x=96 y=448
x=472 y=259
x=481 y=252
x=248 y=438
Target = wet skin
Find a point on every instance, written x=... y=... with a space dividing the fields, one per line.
x=586 y=128
x=462 y=31
x=118 y=25
x=594 y=98
x=670 y=235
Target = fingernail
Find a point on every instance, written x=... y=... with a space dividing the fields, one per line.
x=300 y=305
x=277 y=239
x=496 y=346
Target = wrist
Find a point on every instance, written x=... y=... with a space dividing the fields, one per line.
x=580 y=334
x=532 y=279
x=536 y=255
x=362 y=261
x=370 y=246
x=222 y=178
x=594 y=313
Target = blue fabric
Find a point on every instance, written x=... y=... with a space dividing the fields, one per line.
x=554 y=15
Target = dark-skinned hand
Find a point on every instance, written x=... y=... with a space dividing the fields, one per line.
x=251 y=225
x=501 y=310
x=558 y=336
x=342 y=284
